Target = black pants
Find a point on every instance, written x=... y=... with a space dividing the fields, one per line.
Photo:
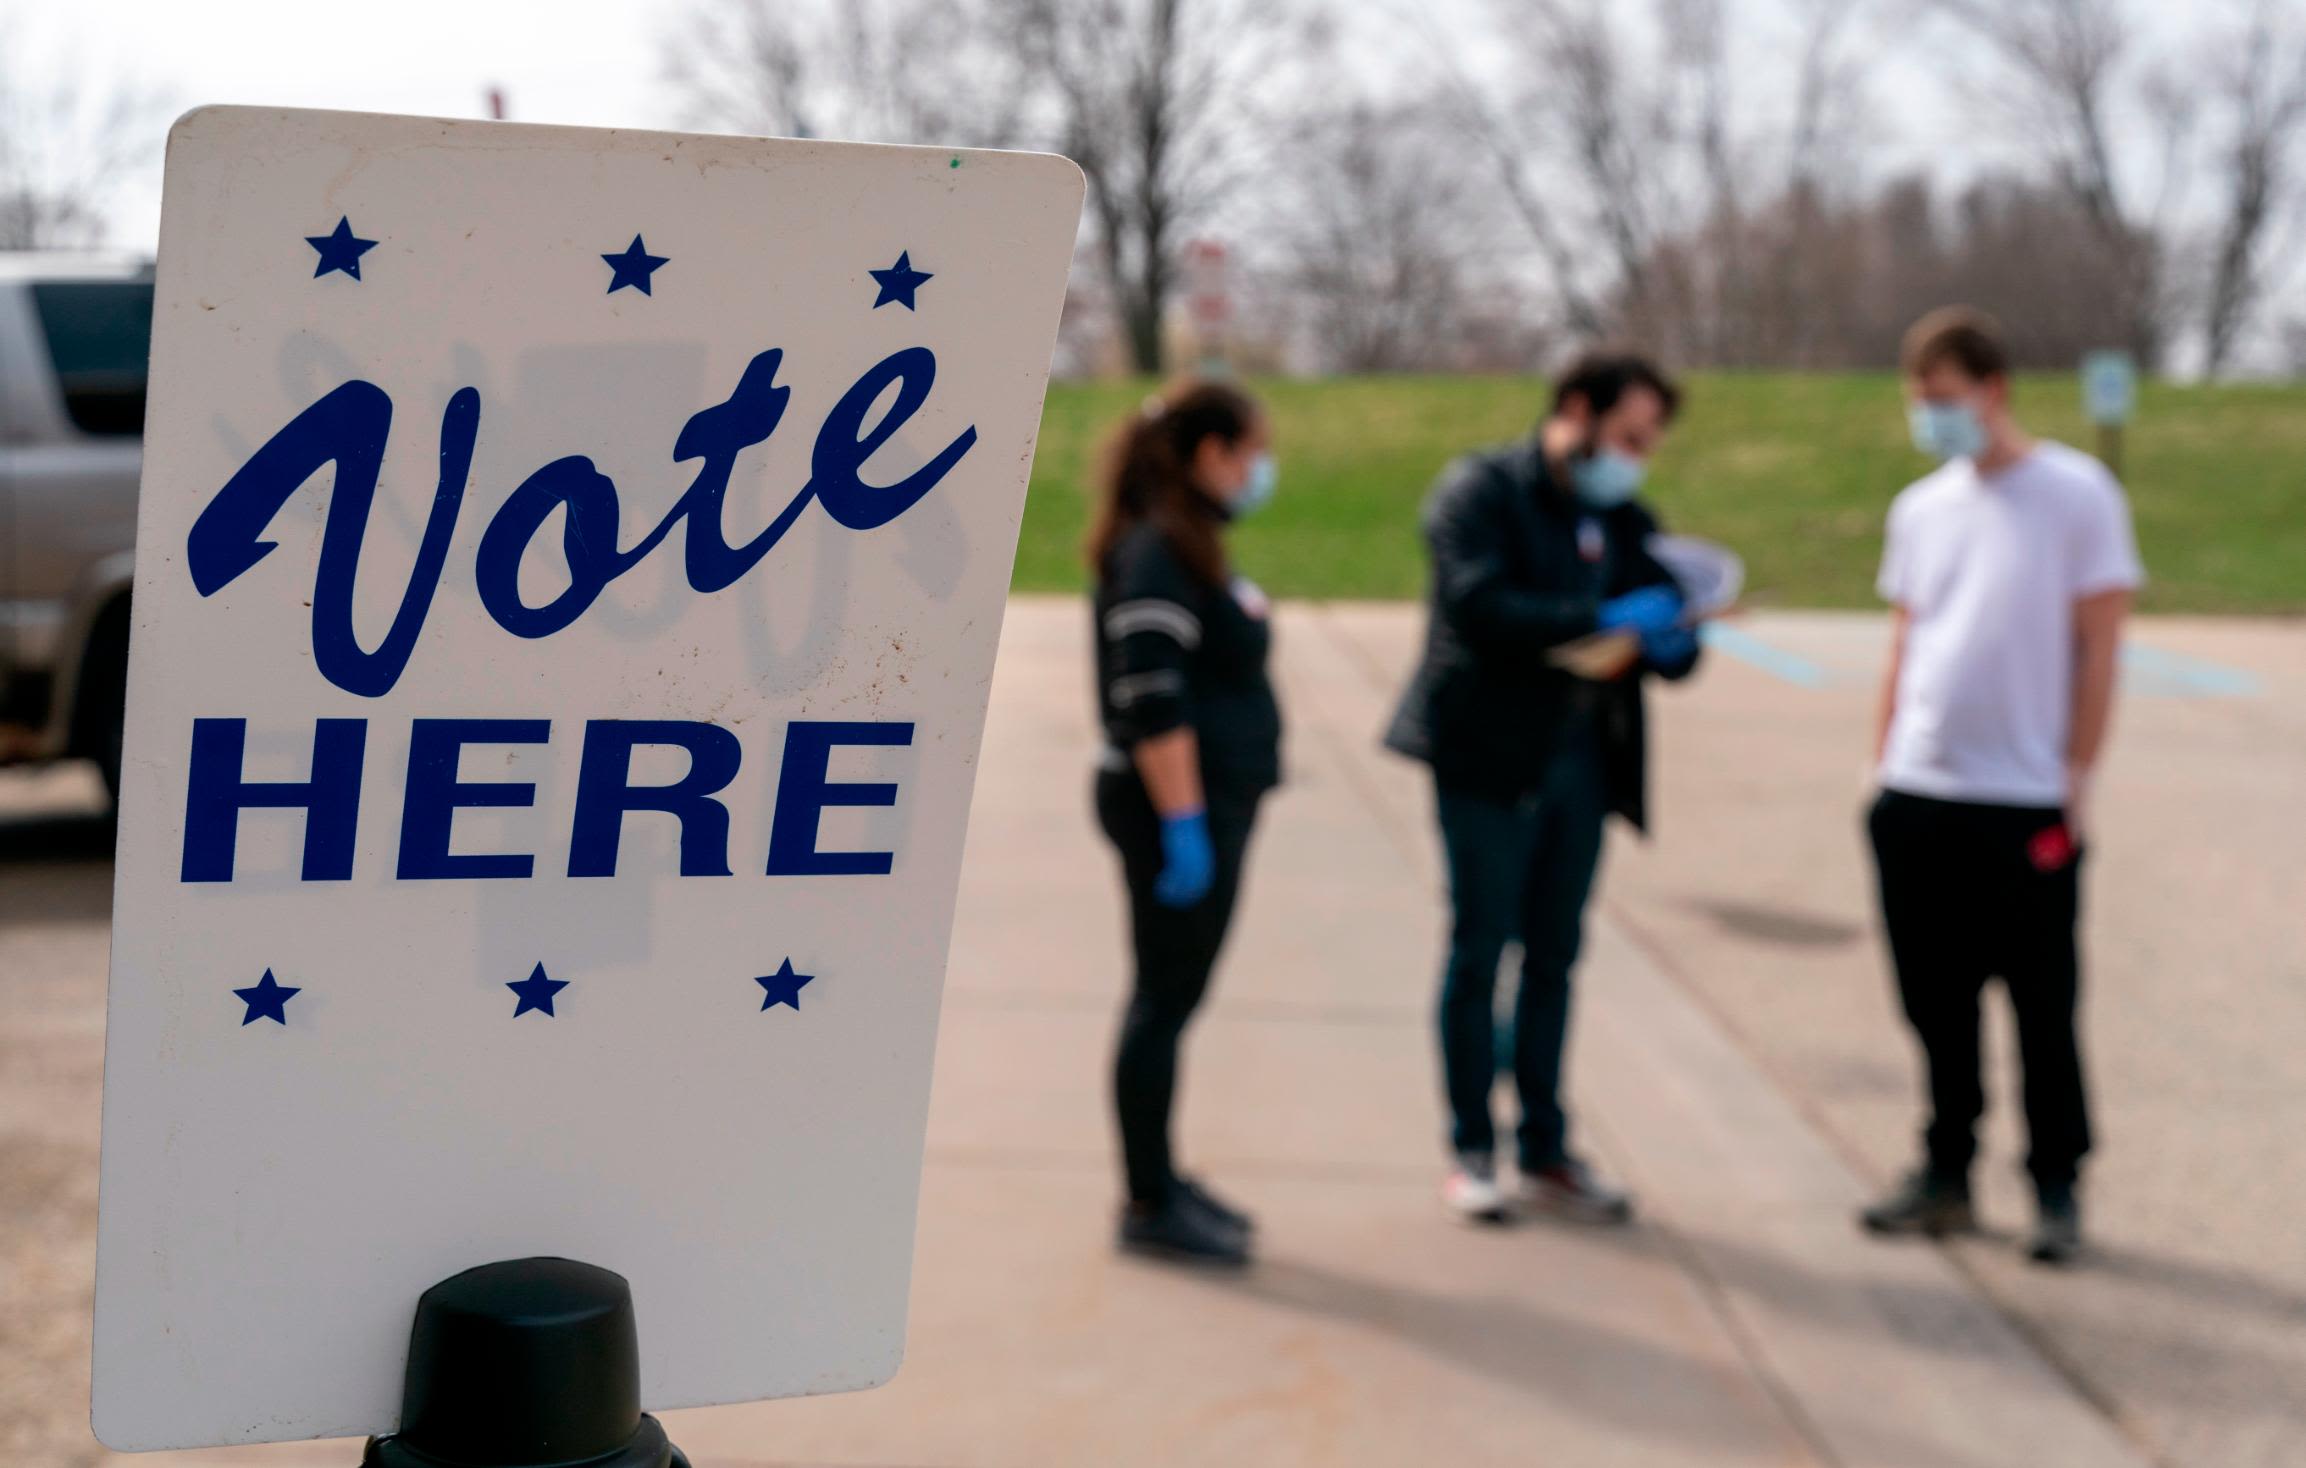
x=1972 y=892
x=1175 y=949
x=1518 y=871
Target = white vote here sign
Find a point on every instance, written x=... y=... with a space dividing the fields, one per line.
x=568 y=574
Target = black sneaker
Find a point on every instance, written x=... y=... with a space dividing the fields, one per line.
x=1923 y=1203
x=2057 y=1235
x=1190 y=1192
x=1180 y=1233
x=1571 y=1189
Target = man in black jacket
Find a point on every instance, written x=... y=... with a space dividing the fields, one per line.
x=1536 y=545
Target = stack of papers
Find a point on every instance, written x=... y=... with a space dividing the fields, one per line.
x=1710 y=577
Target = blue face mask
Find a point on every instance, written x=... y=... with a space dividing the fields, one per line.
x=1606 y=478
x=1946 y=430
x=1256 y=491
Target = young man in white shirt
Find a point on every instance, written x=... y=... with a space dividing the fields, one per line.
x=2008 y=572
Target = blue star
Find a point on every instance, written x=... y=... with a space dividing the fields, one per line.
x=633 y=267
x=899 y=281
x=268 y=999
x=340 y=249
x=784 y=986
x=536 y=992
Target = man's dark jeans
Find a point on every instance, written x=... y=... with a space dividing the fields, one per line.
x=1517 y=871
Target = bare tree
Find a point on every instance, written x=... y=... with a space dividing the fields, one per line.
x=1696 y=43
x=1145 y=95
x=1623 y=133
x=1152 y=99
x=66 y=144
x=1374 y=235
x=1829 y=83
x=2065 y=60
x=912 y=71
x=1570 y=133
x=2260 y=80
x=1829 y=95
x=2023 y=250
x=1870 y=263
x=1587 y=91
x=1492 y=127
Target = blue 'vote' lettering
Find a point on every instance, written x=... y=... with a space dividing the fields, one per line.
x=348 y=427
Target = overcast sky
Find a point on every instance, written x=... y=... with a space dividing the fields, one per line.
x=595 y=62
x=572 y=61
x=599 y=62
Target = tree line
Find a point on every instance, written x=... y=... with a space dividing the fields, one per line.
x=1405 y=186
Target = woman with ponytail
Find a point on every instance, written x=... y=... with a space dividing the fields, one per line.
x=1192 y=742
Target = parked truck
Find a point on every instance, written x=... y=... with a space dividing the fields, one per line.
x=75 y=335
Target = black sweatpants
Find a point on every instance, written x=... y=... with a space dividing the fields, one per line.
x=1175 y=949
x=1972 y=892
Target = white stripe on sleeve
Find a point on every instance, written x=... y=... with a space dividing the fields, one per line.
x=1128 y=690
x=1149 y=615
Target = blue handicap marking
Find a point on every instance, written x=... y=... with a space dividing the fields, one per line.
x=1775 y=661
x=2149 y=671
x=2158 y=671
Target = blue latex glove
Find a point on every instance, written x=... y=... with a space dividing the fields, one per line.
x=1188 y=860
x=1676 y=647
x=1649 y=611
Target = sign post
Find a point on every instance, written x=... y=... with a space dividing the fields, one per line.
x=568 y=573
x=1210 y=299
x=2109 y=397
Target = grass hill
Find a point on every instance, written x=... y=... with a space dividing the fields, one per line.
x=1793 y=470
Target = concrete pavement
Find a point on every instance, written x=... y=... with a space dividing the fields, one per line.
x=1743 y=1321
x=2189 y=1322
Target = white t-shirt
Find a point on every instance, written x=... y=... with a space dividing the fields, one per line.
x=1988 y=567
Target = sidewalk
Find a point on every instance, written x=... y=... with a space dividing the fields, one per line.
x=1743 y=1321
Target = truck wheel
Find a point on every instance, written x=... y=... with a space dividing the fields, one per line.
x=101 y=713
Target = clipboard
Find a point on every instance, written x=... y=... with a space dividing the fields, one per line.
x=1710 y=577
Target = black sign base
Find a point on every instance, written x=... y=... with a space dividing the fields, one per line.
x=531 y=1363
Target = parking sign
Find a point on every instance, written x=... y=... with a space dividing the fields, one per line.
x=2109 y=388
x=568 y=573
